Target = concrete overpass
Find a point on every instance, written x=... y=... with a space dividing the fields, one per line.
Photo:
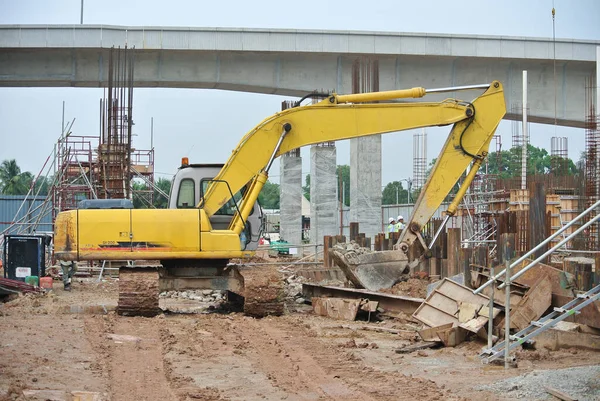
x=295 y=62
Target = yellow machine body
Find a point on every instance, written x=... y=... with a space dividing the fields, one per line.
x=142 y=234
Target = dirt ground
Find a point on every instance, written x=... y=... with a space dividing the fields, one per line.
x=55 y=345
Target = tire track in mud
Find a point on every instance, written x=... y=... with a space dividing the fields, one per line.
x=290 y=361
x=332 y=368
x=240 y=358
x=131 y=352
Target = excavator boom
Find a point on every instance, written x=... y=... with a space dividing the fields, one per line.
x=340 y=117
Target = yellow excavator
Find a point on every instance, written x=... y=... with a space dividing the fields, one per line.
x=188 y=252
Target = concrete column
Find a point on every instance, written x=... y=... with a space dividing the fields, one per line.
x=290 y=202
x=323 y=200
x=365 y=184
x=365 y=158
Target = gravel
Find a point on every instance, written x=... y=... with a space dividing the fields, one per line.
x=582 y=383
x=208 y=296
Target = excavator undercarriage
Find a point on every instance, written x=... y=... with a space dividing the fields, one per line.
x=261 y=288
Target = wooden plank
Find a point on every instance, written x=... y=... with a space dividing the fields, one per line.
x=353 y=231
x=553 y=340
x=442 y=305
x=378 y=329
x=327 y=244
x=416 y=347
x=336 y=308
x=454 y=251
x=430 y=334
x=506 y=247
x=584 y=276
x=562 y=282
x=533 y=305
x=378 y=242
x=452 y=336
x=466 y=256
x=559 y=394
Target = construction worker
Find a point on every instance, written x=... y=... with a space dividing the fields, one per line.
x=400 y=224
x=390 y=228
x=69 y=268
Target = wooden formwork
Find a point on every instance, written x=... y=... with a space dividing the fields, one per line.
x=519 y=199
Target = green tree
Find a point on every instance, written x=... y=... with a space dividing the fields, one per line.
x=159 y=201
x=394 y=194
x=342 y=170
x=139 y=200
x=42 y=186
x=269 y=196
x=306 y=187
x=12 y=180
x=507 y=163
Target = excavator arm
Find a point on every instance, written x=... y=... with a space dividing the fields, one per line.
x=340 y=117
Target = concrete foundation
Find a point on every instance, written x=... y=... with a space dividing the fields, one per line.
x=365 y=184
x=323 y=200
x=290 y=208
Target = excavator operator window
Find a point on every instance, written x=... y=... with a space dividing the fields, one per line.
x=229 y=208
x=185 y=197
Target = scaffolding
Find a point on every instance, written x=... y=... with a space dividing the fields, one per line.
x=478 y=208
x=76 y=171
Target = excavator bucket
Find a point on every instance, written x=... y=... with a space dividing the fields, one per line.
x=373 y=270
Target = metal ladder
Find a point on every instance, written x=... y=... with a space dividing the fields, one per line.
x=539 y=326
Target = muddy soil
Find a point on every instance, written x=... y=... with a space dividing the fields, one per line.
x=62 y=343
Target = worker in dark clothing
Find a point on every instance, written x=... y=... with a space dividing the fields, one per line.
x=69 y=268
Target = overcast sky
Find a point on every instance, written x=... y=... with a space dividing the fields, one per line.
x=187 y=122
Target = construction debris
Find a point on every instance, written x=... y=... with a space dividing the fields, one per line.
x=532 y=306
x=417 y=347
x=443 y=305
x=557 y=338
x=560 y=394
x=367 y=269
x=341 y=308
x=431 y=333
x=12 y=287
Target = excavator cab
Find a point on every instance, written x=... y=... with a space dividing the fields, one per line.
x=189 y=186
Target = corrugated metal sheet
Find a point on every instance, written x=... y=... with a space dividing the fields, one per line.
x=87 y=38
x=152 y=39
x=229 y=40
x=33 y=37
x=12 y=209
x=175 y=39
x=60 y=37
x=10 y=37
x=202 y=40
x=312 y=42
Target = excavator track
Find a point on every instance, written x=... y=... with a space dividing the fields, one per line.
x=263 y=291
x=138 y=291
